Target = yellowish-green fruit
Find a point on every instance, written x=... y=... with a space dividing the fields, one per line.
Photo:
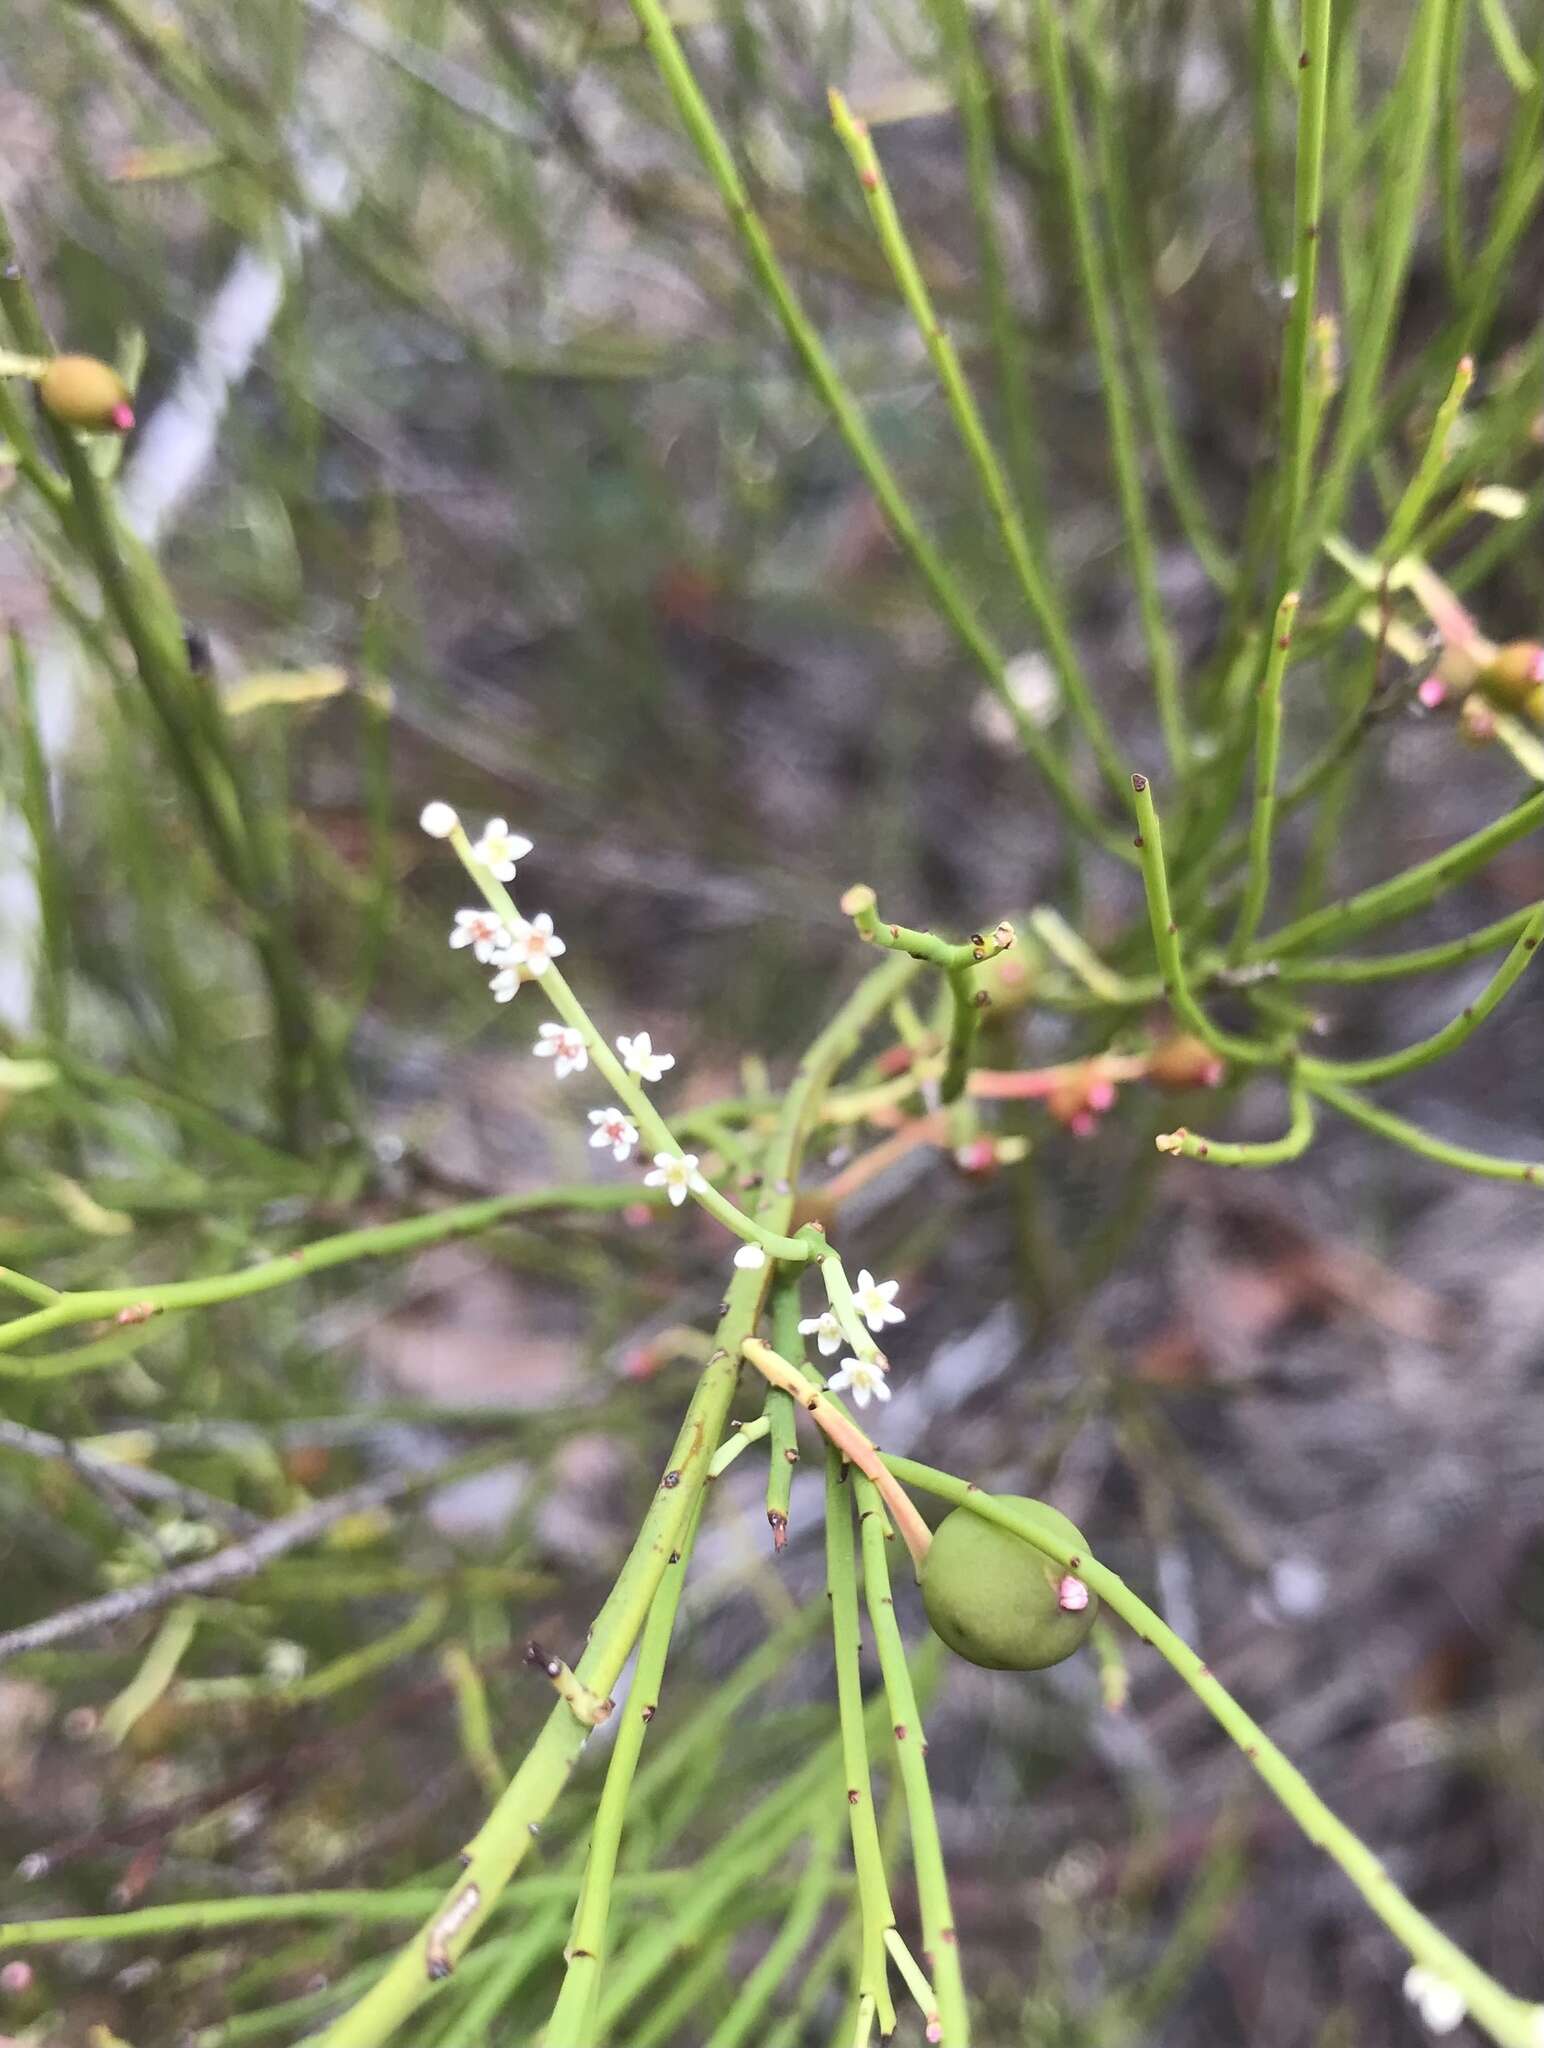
x=996 y=1599
x=79 y=391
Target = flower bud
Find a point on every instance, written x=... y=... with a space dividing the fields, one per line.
x=79 y=391
x=1184 y=1061
x=1514 y=677
x=1080 y=1098
x=438 y=820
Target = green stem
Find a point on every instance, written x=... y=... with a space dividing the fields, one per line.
x=1484 y=1165
x=1272 y=1152
x=1421 y=960
x=1119 y=411
x=1297 y=435
x=875 y=1912
x=777 y=1966
x=1511 y=2021
x=1262 y=823
x=1166 y=938
x=973 y=99
x=1410 y=891
x=1027 y=564
x=1386 y=1066
x=782 y=1441
x=697 y=119
x=572 y=2021
x=1413 y=110
x=940 y=1943
x=382 y=1240
x=957 y=962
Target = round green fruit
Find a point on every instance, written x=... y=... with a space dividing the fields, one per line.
x=996 y=1599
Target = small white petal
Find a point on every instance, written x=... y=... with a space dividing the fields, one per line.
x=1440 y=2004
x=438 y=820
x=750 y=1258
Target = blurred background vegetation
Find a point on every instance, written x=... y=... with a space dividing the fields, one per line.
x=479 y=472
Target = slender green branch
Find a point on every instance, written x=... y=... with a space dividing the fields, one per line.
x=1396 y=966
x=940 y=1943
x=697 y=119
x=1387 y=1065
x=779 y=1965
x=572 y=2021
x=1484 y=1165
x=782 y=1443
x=973 y=98
x=1262 y=824
x=1293 y=1143
x=1166 y=939
x=838 y=1427
x=1297 y=412
x=1413 y=114
x=957 y=962
x=735 y=1446
x=862 y=906
x=876 y=1915
x=379 y=1241
x=1028 y=566
x=1422 y=487
x=1511 y=2021
x=1406 y=892
x=1077 y=183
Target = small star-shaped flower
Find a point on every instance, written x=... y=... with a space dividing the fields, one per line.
x=860 y=1377
x=615 y=1128
x=499 y=849
x=875 y=1300
x=565 y=1047
x=825 y=1330
x=676 y=1173
x=639 y=1057
x=482 y=931
x=533 y=945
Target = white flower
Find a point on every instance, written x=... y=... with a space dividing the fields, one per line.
x=438 y=820
x=284 y=1662
x=862 y=1378
x=750 y=1258
x=533 y=945
x=639 y=1057
x=505 y=984
x=1440 y=2004
x=677 y=1174
x=614 y=1128
x=825 y=1330
x=480 y=930
x=875 y=1300
x=499 y=849
x=565 y=1047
